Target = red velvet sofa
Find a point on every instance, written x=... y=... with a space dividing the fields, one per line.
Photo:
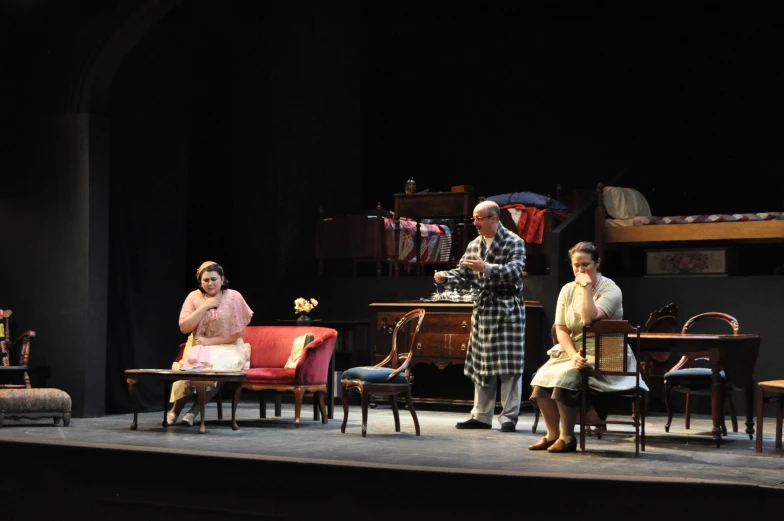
x=270 y=349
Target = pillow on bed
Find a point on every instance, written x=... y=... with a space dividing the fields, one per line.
x=527 y=199
x=625 y=203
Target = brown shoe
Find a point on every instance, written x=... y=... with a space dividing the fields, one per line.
x=542 y=444
x=561 y=446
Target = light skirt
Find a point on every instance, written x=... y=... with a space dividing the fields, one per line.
x=221 y=356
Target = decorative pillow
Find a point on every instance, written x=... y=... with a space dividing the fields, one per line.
x=296 y=350
x=247 y=351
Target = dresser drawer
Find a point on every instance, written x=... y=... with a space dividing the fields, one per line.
x=443 y=337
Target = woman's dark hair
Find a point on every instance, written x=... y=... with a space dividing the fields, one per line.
x=217 y=268
x=585 y=247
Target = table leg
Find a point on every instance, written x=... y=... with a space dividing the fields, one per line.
x=749 y=395
x=135 y=402
x=166 y=392
x=234 y=401
x=201 y=396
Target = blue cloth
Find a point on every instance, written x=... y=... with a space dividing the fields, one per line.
x=527 y=199
x=694 y=377
x=374 y=375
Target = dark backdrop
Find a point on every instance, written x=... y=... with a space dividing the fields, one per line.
x=228 y=124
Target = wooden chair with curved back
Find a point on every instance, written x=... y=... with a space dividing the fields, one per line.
x=15 y=355
x=390 y=377
x=692 y=377
x=662 y=320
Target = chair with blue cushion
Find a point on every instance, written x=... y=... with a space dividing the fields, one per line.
x=691 y=375
x=390 y=377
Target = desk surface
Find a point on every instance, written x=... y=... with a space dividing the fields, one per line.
x=696 y=341
x=323 y=322
x=171 y=374
x=736 y=355
x=442 y=304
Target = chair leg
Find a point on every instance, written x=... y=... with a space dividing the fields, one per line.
x=536 y=418
x=733 y=416
x=278 y=401
x=410 y=404
x=219 y=399
x=365 y=400
x=642 y=419
x=687 y=416
x=779 y=421
x=760 y=404
x=263 y=404
x=667 y=389
x=344 y=402
x=722 y=401
x=583 y=413
x=323 y=407
x=395 y=413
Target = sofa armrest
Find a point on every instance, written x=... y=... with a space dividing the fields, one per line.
x=179 y=354
x=314 y=363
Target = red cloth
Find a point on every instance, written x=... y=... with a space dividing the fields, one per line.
x=530 y=227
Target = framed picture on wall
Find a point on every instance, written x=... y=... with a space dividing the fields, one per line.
x=697 y=261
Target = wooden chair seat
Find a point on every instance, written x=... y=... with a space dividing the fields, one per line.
x=777 y=388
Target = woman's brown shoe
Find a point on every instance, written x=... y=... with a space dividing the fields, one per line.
x=561 y=446
x=542 y=444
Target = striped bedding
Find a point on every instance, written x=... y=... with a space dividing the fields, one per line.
x=436 y=245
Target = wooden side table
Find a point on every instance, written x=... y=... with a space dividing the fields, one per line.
x=199 y=379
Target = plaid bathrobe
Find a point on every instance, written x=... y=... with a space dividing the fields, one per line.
x=497 y=342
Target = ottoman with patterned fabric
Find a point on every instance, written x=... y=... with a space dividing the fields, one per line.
x=35 y=403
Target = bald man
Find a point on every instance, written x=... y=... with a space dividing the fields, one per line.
x=493 y=264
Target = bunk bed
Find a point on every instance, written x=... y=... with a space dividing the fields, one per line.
x=623 y=218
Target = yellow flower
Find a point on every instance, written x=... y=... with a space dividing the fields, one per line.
x=304 y=306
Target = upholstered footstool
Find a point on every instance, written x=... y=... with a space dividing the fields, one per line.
x=35 y=403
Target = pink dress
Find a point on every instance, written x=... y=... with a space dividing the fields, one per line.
x=229 y=318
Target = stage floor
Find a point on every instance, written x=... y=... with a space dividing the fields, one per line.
x=677 y=456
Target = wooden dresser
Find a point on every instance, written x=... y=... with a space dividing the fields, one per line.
x=443 y=338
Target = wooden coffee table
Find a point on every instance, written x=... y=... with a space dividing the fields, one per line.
x=199 y=379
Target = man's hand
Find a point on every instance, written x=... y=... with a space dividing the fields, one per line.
x=439 y=277
x=476 y=264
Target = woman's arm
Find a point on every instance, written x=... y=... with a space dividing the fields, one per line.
x=589 y=313
x=189 y=323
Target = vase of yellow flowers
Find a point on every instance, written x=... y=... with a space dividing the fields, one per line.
x=303 y=308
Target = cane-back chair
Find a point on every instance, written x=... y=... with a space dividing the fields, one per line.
x=611 y=358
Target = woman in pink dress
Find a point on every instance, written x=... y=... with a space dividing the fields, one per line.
x=215 y=316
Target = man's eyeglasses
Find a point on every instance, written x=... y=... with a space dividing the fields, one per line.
x=480 y=217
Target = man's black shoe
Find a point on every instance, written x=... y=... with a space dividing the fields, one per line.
x=473 y=424
x=507 y=427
